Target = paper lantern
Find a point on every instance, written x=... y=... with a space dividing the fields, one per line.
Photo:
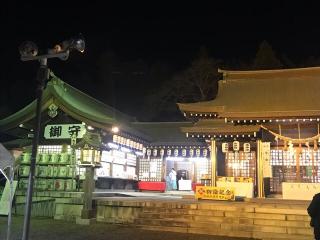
x=246 y=147
x=184 y=152
x=161 y=152
x=205 y=152
x=191 y=152
x=176 y=152
x=115 y=138
x=236 y=146
x=169 y=152
x=155 y=152
x=225 y=147
x=198 y=152
x=148 y=152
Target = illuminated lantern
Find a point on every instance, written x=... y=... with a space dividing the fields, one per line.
x=184 y=152
x=161 y=152
x=176 y=152
x=191 y=152
x=169 y=152
x=155 y=152
x=141 y=146
x=148 y=152
x=198 y=152
x=90 y=146
x=127 y=143
x=131 y=143
x=246 y=147
x=236 y=146
x=205 y=152
x=115 y=138
x=122 y=140
x=144 y=150
x=225 y=147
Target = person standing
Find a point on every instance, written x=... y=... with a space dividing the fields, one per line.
x=314 y=213
x=173 y=179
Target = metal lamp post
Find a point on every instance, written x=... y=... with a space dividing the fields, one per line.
x=29 y=52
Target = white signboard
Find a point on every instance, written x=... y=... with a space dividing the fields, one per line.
x=64 y=131
x=267 y=169
x=104 y=171
x=106 y=156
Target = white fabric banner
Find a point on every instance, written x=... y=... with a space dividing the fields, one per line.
x=6 y=158
x=266 y=156
x=5 y=198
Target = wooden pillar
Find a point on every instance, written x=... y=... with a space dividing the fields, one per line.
x=213 y=157
x=259 y=168
x=313 y=167
x=195 y=170
x=299 y=150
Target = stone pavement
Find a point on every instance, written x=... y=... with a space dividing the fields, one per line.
x=48 y=229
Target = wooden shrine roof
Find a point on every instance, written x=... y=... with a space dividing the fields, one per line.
x=218 y=126
x=263 y=94
x=165 y=133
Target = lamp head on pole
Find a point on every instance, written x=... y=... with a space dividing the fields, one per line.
x=76 y=43
x=29 y=50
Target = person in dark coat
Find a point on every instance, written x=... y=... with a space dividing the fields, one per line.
x=314 y=213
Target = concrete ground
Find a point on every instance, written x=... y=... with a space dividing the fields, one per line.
x=49 y=229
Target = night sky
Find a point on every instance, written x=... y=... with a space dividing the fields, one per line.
x=154 y=32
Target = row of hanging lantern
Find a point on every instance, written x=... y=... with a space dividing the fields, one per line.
x=127 y=142
x=235 y=147
x=177 y=152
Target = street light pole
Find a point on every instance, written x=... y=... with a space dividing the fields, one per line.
x=29 y=52
x=42 y=77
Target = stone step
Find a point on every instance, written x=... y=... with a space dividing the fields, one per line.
x=232 y=224
x=279 y=214
x=160 y=222
x=252 y=220
x=280 y=236
x=225 y=229
x=219 y=232
x=206 y=231
x=298 y=224
x=263 y=221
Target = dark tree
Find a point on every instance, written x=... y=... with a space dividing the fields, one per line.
x=311 y=61
x=158 y=74
x=108 y=73
x=196 y=83
x=266 y=58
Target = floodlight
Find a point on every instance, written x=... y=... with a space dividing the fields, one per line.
x=77 y=43
x=28 y=49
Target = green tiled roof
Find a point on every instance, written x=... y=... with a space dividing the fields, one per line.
x=73 y=102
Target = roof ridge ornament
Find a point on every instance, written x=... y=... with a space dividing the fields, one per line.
x=52 y=110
